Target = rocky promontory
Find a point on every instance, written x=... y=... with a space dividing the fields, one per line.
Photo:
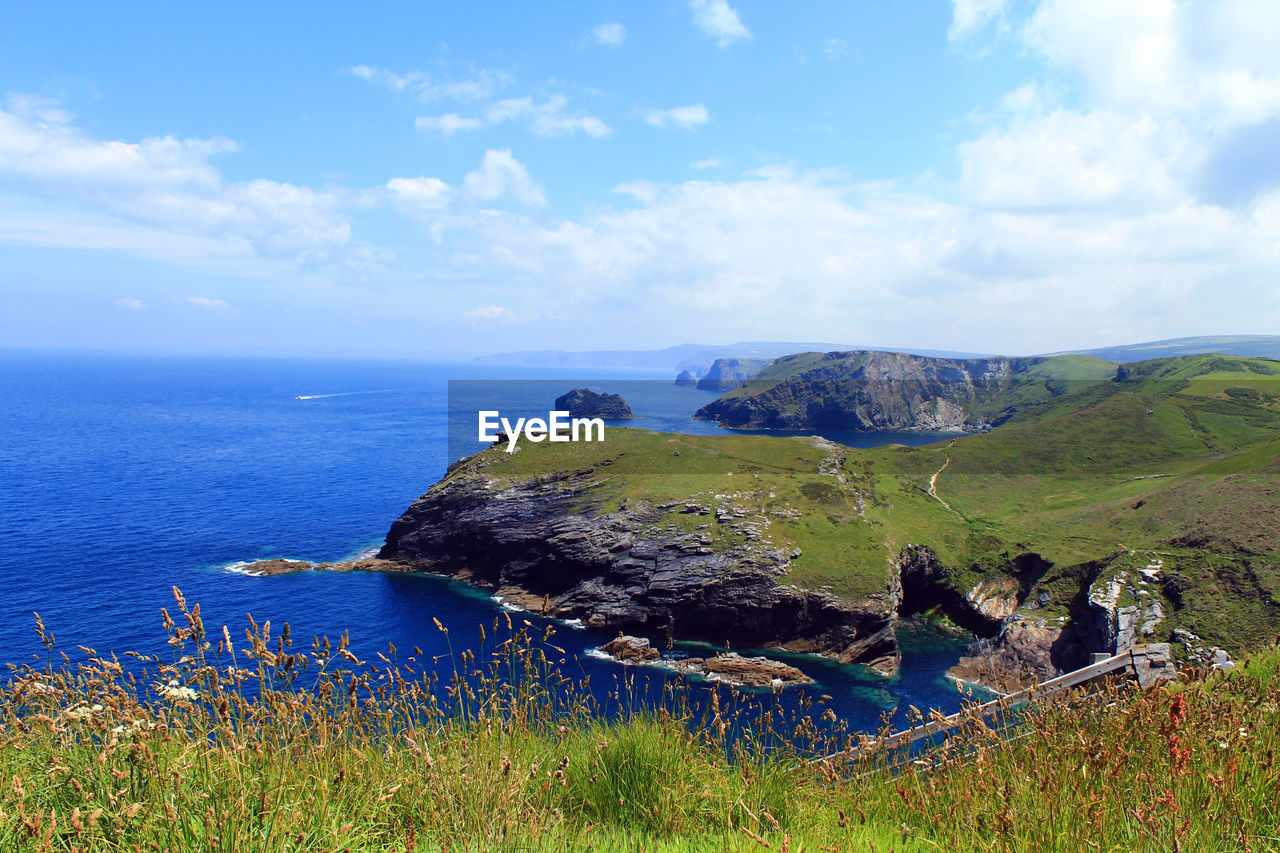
x=872 y=390
x=623 y=570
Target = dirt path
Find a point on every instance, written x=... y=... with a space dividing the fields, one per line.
x=933 y=483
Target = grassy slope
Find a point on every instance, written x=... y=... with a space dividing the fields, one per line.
x=204 y=756
x=1179 y=459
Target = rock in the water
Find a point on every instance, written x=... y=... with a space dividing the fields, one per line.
x=733 y=668
x=285 y=567
x=685 y=379
x=629 y=649
x=276 y=567
x=585 y=403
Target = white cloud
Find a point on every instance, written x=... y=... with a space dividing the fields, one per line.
x=611 y=34
x=718 y=20
x=548 y=118
x=131 y=304
x=204 y=303
x=685 y=117
x=38 y=108
x=420 y=193
x=166 y=185
x=448 y=123
x=708 y=163
x=1157 y=106
x=498 y=175
x=970 y=16
x=477 y=84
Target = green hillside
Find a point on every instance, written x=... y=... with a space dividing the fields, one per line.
x=1176 y=460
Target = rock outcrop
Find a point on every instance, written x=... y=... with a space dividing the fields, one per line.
x=262 y=568
x=685 y=379
x=628 y=649
x=585 y=403
x=733 y=668
x=729 y=667
x=621 y=571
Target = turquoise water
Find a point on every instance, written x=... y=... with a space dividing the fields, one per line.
x=121 y=477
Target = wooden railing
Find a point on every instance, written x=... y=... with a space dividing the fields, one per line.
x=1147 y=665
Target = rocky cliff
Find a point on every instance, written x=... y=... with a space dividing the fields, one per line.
x=728 y=373
x=541 y=543
x=870 y=390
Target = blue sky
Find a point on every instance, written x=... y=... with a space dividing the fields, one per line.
x=422 y=179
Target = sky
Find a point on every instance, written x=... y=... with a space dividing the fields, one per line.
x=437 y=178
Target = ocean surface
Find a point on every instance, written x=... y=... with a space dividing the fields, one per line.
x=121 y=477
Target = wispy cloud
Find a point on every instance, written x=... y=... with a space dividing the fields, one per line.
x=448 y=123
x=708 y=163
x=551 y=117
x=719 y=21
x=204 y=303
x=833 y=47
x=970 y=16
x=611 y=34
x=131 y=304
x=476 y=84
x=493 y=314
x=684 y=117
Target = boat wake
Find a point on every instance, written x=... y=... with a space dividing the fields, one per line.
x=345 y=394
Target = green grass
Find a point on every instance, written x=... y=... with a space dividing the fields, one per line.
x=273 y=749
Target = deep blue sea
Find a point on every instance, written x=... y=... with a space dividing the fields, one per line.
x=121 y=477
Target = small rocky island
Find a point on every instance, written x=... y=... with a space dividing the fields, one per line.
x=585 y=403
x=685 y=379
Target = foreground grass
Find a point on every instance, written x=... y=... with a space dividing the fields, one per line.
x=265 y=748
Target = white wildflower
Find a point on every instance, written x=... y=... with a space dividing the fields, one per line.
x=81 y=712
x=175 y=692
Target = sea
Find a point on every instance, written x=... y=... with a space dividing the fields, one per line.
x=124 y=476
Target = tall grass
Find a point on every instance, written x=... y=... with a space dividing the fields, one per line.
x=257 y=746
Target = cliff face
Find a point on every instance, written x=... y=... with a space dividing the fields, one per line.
x=871 y=391
x=616 y=571
x=728 y=373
